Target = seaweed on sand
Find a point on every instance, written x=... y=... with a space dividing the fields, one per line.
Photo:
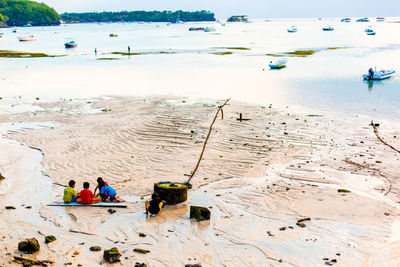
x=18 y=54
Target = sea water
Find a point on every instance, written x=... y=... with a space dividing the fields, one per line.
x=178 y=62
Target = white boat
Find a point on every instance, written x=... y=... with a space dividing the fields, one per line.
x=26 y=39
x=379 y=75
x=292 y=29
x=370 y=31
x=279 y=64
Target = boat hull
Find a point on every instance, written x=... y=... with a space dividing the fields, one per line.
x=379 y=76
x=277 y=66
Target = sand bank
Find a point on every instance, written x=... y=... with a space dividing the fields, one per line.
x=259 y=177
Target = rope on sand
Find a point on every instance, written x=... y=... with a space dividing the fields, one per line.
x=380 y=139
x=208 y=136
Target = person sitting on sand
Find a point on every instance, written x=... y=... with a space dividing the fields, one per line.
x=86 y=195
x=99 y=180
x=155 y=205
x=107 y=192
x=70 y=194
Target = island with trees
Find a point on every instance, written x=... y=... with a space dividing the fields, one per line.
x=23 y=12
x=138 y=16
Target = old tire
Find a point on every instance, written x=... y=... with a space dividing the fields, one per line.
x=172 y=193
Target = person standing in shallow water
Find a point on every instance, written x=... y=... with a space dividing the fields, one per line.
x=129 y=49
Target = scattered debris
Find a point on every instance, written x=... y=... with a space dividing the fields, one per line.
x=95 y=248
x=112 y=255
x=200 y=213
x=29 y=246
x=343 y=191
x=142 y=251
x=111 y=211
x=138 y=264
x=29 y=262
x=49 y=239
x=142 y=234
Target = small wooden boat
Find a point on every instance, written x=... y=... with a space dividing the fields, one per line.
x=379 y=75
x=71 y=44
x=328 y=29
x=279 y=64
x=27 y=39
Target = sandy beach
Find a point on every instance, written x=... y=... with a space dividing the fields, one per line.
x=258 y=177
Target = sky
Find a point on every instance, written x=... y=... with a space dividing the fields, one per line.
x=253 y=8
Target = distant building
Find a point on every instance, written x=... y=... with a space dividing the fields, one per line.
x=238 y=19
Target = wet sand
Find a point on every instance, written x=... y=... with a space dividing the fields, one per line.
x=258 y=177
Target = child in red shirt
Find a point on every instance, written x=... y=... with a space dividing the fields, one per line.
x=86 y=195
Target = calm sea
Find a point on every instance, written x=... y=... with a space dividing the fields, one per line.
x=329 y=80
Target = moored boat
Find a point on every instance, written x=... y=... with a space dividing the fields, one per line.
x=378 y=75
x=279 y=64
x=370 y=31
x=71 y=44
x=292 y=29
x=380 y=19
x=27 y=39
x=327 y=29
x=363 y=20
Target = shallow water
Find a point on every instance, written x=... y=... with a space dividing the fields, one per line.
x=329 y=80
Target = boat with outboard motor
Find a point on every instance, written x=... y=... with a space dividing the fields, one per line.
x=378 y=75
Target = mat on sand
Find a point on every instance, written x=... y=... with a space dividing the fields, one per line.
x=99 y=204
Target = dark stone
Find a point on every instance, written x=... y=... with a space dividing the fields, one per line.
x=300 y=224
x=49 y=239
x=112 y=255
x=142 y=251
x=111 y=211
x=142 y=234
x=137 y=264
x=29 y=246
x=193 y=265
x=2 y=177
x=95 y=248
x=199 y=213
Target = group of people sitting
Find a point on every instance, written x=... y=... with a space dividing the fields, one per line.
x=106 y=193
x=86 y=196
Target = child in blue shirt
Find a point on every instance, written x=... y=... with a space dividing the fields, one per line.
x=107 y=192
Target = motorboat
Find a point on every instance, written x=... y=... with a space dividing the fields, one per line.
x=292 y=29
x=363 y=20
x=71 y=44
x=27 y=39
x=379 y=75
x=279 y=64
x=345 y=20
x=370 y=31
x=328 y=29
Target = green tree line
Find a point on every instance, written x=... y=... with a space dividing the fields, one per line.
x=21 y=12
x=145 y=16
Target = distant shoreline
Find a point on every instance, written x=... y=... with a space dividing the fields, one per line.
x=139 y=16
